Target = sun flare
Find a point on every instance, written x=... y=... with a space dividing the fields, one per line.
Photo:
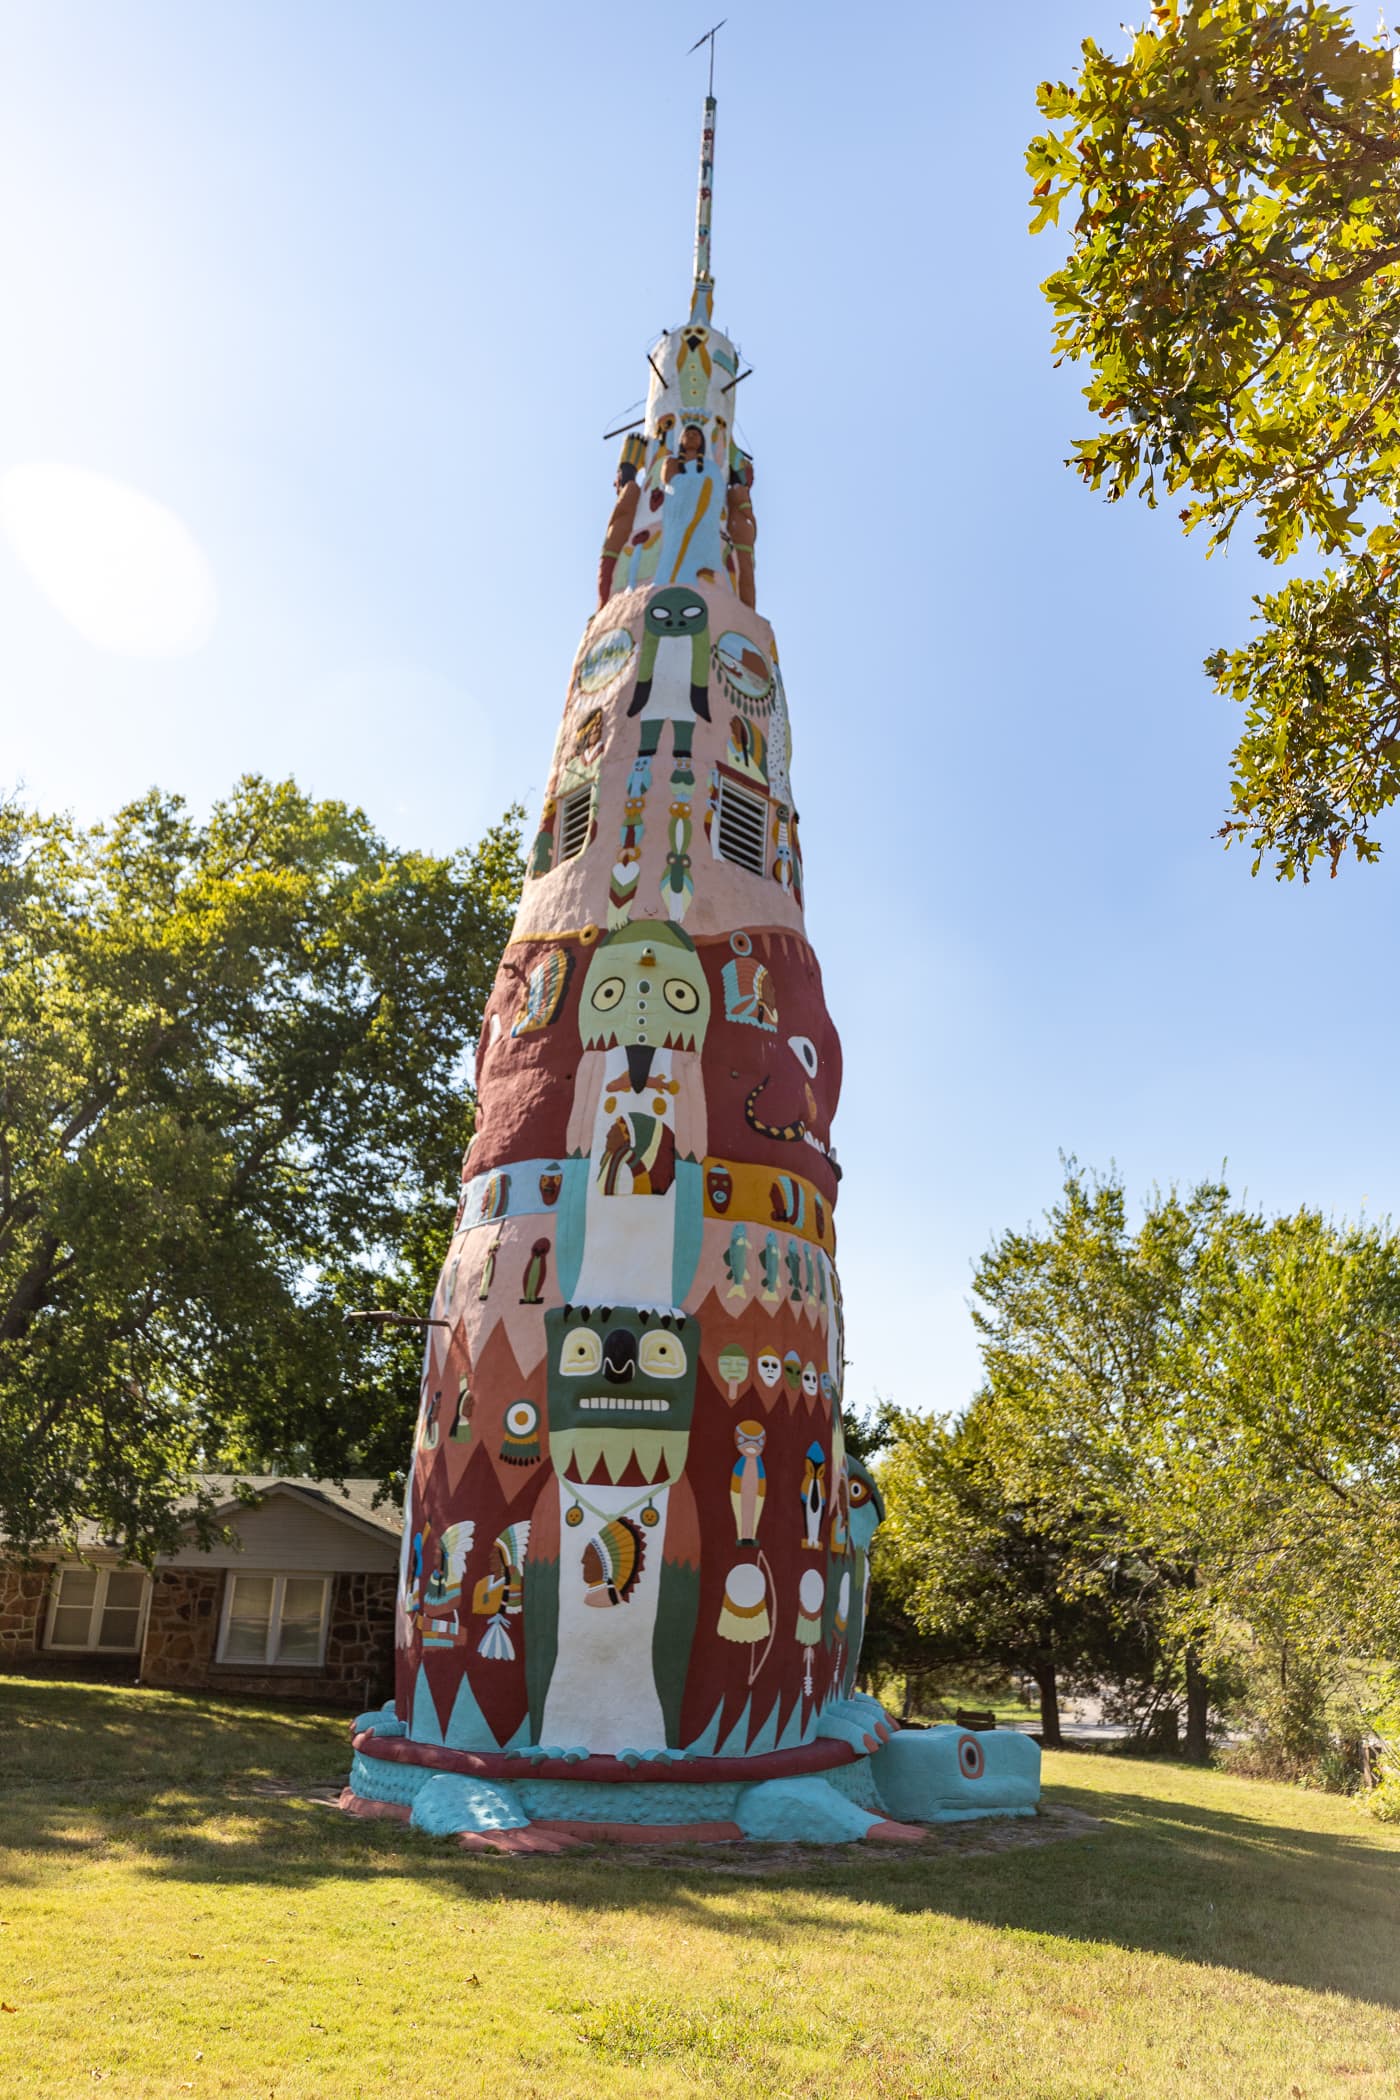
x=116 y=565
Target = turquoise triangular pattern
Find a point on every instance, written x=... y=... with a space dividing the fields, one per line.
x=704 y=1744
x=792 y=1734
x=466 y=1728
x=521 y=1739
x=425 y=1726
x=767 y=1736
x=737 y=1741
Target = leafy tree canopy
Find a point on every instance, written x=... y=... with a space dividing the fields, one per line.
x=1211 y=1398
x=232 y=1092
x=997 y=1576
x=1233 y=285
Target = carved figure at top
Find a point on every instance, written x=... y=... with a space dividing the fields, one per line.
x=692 y=514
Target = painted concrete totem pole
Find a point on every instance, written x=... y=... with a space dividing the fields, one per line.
x=636 y=1549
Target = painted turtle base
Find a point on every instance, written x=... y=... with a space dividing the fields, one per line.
x=827 y=1792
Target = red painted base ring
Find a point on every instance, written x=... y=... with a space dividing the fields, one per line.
x=822 y=1756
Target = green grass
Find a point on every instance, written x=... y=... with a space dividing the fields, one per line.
x=168 y=1929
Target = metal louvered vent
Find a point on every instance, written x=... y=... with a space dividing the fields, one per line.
x=574 y=817
x=742 y=827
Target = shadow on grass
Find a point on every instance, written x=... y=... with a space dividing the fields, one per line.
x=1289 y=1904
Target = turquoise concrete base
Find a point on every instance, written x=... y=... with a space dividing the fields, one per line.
x=859 y=1721
x=935 y=1775
x=451 y=1802
x=609 y=1801
x=947 y=1775
x=375 y=1779
x=382 y=1719
x=806 y=1811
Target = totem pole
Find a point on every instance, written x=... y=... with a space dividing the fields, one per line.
x=635 y=1562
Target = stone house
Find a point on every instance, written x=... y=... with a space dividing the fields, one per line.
x=298 y=1602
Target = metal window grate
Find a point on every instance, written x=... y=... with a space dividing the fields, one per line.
x=575 y=818
x=741 y=831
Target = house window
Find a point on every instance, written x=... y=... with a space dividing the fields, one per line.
x=575 y=821
x=98 y=1608
x=275 y=1619
x=741 y=827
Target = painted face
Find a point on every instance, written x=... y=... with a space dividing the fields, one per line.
x=676 y=611
x=618 y=1366
x=770 y=1369
x=777 y=1063
x=750 y=1438
x=809 y=1380
x=645 y=990
x=792 y=1370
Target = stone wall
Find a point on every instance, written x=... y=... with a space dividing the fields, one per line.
x=24 y=1596
x=360 y=1639
x=182 y=1626
x=182 y=1634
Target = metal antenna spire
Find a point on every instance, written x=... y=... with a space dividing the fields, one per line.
x=709 y=38
x=703 y=295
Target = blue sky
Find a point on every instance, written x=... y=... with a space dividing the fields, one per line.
x=353 y=291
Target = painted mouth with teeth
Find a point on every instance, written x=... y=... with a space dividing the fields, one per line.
x=615 y=1403
x=673 y=1039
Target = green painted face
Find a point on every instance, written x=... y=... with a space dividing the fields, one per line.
x=621 y=1394
x=676 y=611
x=645 y=989
x=613 y=1367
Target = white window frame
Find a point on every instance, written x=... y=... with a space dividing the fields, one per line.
x=579 y=797
x=750 y=801
x=274 y=1618
x=91 y=1646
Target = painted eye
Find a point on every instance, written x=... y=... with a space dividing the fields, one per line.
x=970 y=1758
x=681 y=995
x=858 y=1491
x=608 y=993
x=582 y=1353
x=662 y=1355
x=692 y=612
x=805 y=1051
x=522 y=1416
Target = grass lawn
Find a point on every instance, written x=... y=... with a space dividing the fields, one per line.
x=167 y=1928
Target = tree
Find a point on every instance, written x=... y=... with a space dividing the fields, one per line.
x=231 y=1100
x=1233 y=285
x=1291 y=1460
x=994 y=1577
x=1085 y=1326
x=1209 y=1399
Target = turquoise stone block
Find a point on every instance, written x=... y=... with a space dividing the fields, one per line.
x=950 y=1775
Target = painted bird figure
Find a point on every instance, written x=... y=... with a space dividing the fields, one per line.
x=813 y=1496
